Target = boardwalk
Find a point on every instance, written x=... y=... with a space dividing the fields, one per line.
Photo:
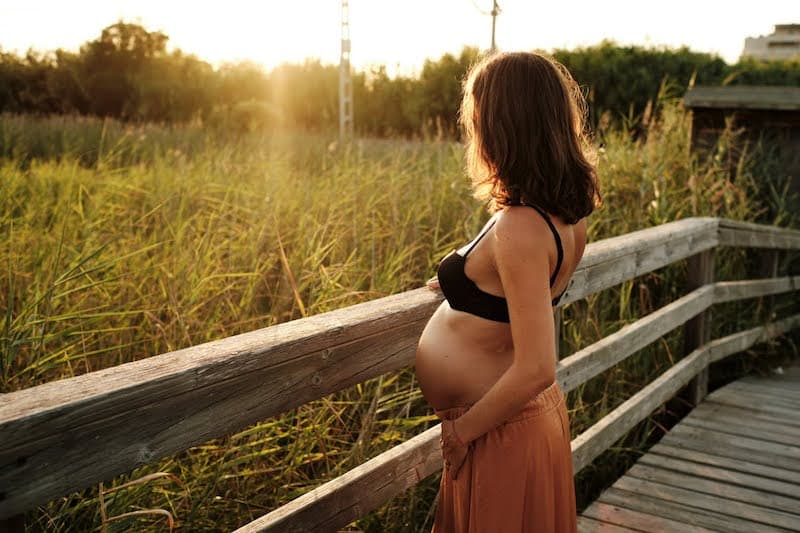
x=732 y=464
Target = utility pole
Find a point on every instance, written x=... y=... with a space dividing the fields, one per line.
x=345 y=80
x=495 y=12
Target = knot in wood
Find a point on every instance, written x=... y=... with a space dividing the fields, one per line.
x=145 y=455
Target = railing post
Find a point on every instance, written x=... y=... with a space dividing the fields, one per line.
x=769 y=269
x=697 y=330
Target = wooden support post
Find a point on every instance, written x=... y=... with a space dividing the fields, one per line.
x=769 y=269
x=697 y=330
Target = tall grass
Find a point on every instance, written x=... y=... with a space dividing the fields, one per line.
x=120 y=243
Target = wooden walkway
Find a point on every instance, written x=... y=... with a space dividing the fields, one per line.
x=732 y=464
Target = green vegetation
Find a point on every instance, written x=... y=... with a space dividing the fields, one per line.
x=124 y=241
x=126 y=73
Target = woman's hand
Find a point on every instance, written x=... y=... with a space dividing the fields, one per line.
x=454 y=450
x=433 y=283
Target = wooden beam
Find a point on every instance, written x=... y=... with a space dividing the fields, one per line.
x=615 y=260
x=737 y=233
x=742 y=340
x=352 y=495
x=597 y=439
x=726 y=291
x=70 y=434
x=697 y=331
x=588 y=362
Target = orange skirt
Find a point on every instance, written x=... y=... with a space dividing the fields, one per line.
x=517 y=477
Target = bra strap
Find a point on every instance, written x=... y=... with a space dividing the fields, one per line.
x=558 y=242
x=476 y=241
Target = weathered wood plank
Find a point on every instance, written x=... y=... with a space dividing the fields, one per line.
x=697 y=331
x=765 y=387
x=587 y=525
x=728 y=397
x=749 y=398
x=596 y=439
x=778 y=382
x=738 y=233
x=735 y=493
x=732 y=428
x=352 y=495
x=610 y=350
x=647 y=503
x=731 y=400
x=58 y=451
x=738 y=342
x=739 y=509
x=775 y=398
x=724 y=448
x=725 y=475
x=617 y=260
x=760 y=450
x=691 y=230
x=735 y=423
x=726 y=291
x=614 y=514
x=735 y=464
x=747 y=413
x=754 y=398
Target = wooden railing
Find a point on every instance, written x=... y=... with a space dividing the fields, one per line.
x=70 y=434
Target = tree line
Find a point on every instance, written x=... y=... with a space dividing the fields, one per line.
x=128 y=74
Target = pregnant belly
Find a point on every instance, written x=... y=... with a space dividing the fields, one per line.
x=453 y=364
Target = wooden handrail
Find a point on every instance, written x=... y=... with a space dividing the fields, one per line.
x=66 y=435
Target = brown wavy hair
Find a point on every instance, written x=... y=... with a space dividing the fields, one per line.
x=527 y=142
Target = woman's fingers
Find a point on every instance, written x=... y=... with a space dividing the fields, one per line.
x=433 y=283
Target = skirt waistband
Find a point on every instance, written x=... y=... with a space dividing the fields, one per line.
x=543 y=401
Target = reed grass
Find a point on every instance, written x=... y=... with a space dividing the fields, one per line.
x=120 y=243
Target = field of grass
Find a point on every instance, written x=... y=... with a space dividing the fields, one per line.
x=121 y=242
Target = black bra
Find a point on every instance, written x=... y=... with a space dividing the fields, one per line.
x=463 y=295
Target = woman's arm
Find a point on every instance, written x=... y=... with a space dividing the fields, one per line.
x=520 y=247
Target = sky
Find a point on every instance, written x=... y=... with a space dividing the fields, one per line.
x=398 y=34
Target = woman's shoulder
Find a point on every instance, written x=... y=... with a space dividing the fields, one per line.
x=519 y=226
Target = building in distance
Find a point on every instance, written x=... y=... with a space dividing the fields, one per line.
x=783 y=43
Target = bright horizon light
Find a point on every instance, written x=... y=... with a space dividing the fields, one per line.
x=399 y=35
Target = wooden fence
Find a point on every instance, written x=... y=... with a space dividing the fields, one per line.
x=71 y=434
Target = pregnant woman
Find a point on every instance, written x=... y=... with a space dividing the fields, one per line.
x=486 y=360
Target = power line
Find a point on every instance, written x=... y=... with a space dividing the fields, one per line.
x=481 y=11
